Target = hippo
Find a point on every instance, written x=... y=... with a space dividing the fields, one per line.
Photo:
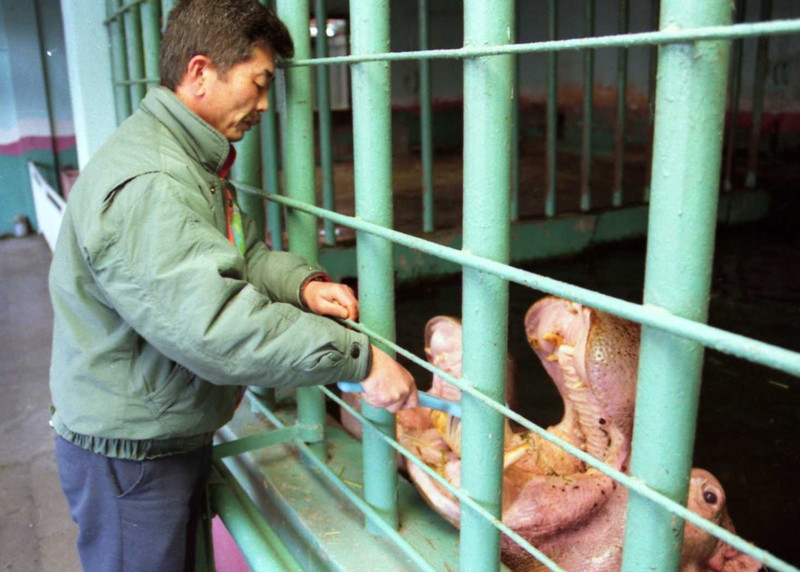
x=571 y=512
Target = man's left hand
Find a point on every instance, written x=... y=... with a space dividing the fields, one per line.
x=330 y=299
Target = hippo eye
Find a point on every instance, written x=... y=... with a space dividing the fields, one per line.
x=710 y=497
x=602 y=421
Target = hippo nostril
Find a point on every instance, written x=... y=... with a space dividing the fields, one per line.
x=710 y=497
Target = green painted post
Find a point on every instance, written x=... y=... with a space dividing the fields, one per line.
x=736 y=91
x=515 y=121
x=151 y=38
x=487 y=144
x=122 y=95
x=622 y=107
x=324 y=111
x=651 y=92
x=552 y=111
x=680 y=248
x=247 y=169
x=297 y=137
x=588 y=103
x=372 y=148
x=132 y=22
x=426 y=120
x=759 y=88
x=166 y=8
x=269 y=148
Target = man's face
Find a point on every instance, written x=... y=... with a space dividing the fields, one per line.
x=234 y=104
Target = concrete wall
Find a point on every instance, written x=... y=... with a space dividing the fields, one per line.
x=35 y=122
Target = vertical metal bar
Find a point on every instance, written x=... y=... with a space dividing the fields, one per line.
x=47 y=95
x=690 y=113
x=759 y=88
x=297 y=137
x=151 y=38
x=622 y=107
x=426 y=120
x=515 y=120
x=487 y=143
x=132 y=22
x=651 y=94
x=269 y=148
x=166 y=8
x=372 y=149
x=588 y=103
x=247 y=169
x=552 y=111
x=736 y=91
x=324 y=111
x=122 y=95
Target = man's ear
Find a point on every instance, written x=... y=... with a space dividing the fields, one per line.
x=196 y=74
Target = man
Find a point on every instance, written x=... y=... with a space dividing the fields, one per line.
x=166 y=303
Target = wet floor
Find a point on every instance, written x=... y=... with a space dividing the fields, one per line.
x=748 y=429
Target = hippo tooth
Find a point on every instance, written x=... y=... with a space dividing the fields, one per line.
x=568 y=350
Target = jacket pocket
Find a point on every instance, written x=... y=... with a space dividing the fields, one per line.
x=166 y=392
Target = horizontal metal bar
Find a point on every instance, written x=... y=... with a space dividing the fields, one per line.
x=122 y=9
x=263 y=550
x=136 y=81
x=735 y=31
x=711 y=337
x=458 y=493
x=362 y=505
x=258 y=441
x=631 y=483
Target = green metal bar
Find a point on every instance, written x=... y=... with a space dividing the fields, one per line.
x=122 y=96
x=123 y=8
x=746 y=348
x=759 y=89
x=325 y=471
x=775 y=28
x=551 y=155
x=680 y=249
x=247 y=169
x=515 y=119
x=736 y=91
x=297 y=137
x=632 y=484
x=372 y=127
x=259 y=543
x=151 y=38
x=166 y=8
x=258 y=441
x=588 y=103
x=132 y=23
x=487 y=177
x=426 y=120
x=324 y=111
x=622 y=107
x=651 y=94
x=269 y=149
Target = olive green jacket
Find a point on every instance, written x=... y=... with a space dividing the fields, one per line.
x=158 y=319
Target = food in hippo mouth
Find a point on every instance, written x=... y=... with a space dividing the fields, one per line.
x=573 y=513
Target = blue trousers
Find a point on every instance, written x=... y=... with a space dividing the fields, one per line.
x=134 y=515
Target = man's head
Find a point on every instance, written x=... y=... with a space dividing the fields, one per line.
x=218 y=56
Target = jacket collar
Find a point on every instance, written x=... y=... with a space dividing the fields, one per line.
x=200 y=141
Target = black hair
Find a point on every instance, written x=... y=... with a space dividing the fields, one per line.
x=226 y=31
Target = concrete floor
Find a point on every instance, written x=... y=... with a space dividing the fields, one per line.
x=36 y=531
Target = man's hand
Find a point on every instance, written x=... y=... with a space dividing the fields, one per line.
x=330 y=299
x=389 y=384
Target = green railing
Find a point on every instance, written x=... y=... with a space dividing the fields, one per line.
x=693 y=44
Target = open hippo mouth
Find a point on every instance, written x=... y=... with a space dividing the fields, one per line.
x=592 y=358
x=573 y=513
